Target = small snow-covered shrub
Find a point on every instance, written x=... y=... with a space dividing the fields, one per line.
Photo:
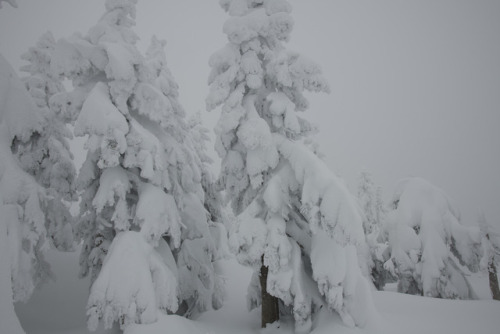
x=430 y=250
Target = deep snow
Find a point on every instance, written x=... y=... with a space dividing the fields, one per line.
x=59 y=308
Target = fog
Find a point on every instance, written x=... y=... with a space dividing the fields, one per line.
x=415 y=84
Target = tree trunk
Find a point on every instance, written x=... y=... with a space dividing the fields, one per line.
x=492 y=271
x=270 y=308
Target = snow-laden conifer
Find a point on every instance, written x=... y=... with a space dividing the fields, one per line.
x=47 y=155
x=146 y=234
x=297 y=225
x=431 y=252
x=23 y=201
x=374 y=253
x=371 y=202
x=218 y=215
x=36 y=173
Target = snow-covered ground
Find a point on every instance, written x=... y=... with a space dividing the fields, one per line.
x=59 y=308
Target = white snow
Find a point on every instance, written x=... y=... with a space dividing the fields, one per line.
x=99 y=116
x=16 y=109
x=22 y=221
x=428 y=243
x=59 y=308
x=157 y=214
x=60 y=305
x=144 y=276
x=282 y=193
x=133 y=284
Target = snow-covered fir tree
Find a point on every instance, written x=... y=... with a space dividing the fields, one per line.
x=201 y=138
x=490 y=254
x=370 y=199
x=203 y=235
x=47 y=155
x=297 y=225
x=218 y=217
x=36 y=174
x=431 y=251
x=374 y=253
x=32 y=217
x=147 y=241
x=23 y=201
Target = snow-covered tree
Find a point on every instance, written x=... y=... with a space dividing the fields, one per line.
x=201 y=138
x=218 y=215
x=374 y=253
x=491 y=254
x=47 y=155
x=370 y=199
x=36 y=172
x=297 y=224
x=431 y=251
x=146 y=233
x=23 y=232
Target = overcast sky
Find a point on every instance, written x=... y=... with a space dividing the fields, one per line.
x=415 y=84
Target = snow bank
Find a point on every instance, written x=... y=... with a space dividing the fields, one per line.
x=168 y=323
x=416 y=315
x=58 y=308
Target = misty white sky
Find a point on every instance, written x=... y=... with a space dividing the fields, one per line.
x=415 y=84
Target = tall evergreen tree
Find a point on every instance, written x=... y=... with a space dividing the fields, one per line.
x=147 y=242
x=297 y=224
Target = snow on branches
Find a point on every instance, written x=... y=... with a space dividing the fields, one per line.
x=431 y=252
x=144 y=179
x=292 y=211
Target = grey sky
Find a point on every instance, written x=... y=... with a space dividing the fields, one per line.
x=415 y=84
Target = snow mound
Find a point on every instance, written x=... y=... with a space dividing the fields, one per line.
x=133 y=284
x=171 y=323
